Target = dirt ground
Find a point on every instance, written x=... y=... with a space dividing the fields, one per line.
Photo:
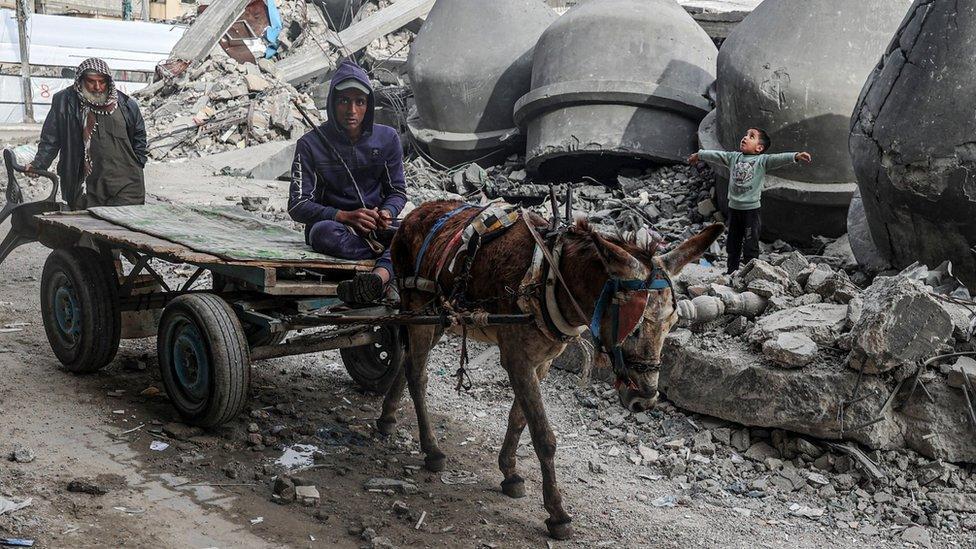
x=214 y=489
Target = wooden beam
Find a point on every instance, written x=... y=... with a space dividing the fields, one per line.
x=302 y=67
x=207 y=29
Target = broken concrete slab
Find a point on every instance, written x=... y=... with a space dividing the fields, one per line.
x=964 y=367
x=733 y=383
x=207 y=29
x=940 y=429
x=900 y=325
x=302 y=67
x=821 y=322
x=790 y=350
x=265 y=161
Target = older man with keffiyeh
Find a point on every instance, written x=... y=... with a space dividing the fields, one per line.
x=101 y=138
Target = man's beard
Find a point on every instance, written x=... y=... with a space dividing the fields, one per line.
x=95 y=98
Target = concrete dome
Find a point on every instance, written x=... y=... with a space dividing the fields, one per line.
x=471 y=61
x=614 y=81
x=912 y=141
x=794 y=68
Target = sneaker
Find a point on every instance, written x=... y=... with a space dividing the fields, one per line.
x=362 y=289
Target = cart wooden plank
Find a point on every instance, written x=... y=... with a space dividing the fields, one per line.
x=57 y=228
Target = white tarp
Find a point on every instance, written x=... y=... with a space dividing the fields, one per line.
x=67 y=41
x=12 y=96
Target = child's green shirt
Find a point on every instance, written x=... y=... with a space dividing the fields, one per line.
x=746 y=174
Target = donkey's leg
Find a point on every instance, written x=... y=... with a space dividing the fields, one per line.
x=525 y=383
x=513 y=485
x=387 y=420
x=421 y=339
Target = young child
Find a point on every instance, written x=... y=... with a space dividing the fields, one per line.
x=747 y=169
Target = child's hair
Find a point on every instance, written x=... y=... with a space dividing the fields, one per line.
x=763 y=138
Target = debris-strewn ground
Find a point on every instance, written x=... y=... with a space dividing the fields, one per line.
x=666 y=477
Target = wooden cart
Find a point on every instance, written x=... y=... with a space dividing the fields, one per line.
x=207 y=335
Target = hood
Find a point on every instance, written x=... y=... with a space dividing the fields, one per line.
x=349 y=69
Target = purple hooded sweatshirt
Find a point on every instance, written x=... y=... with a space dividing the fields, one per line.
x=321 y=184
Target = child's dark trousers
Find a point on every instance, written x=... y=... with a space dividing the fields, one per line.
x=744 y=227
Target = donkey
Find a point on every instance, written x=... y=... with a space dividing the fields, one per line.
x=588 y=260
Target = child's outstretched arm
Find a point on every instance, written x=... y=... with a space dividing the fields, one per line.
x=774 y=161
x=713 y=157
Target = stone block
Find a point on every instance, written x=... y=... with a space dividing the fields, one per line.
x=964 y=367
x=735 y=384
x=790 y=350
x=821 y=322
x=255 y=83
x=793 y=263
x=760 y=270
x=900 y=325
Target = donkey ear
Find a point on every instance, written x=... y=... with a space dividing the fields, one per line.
x=691 y=249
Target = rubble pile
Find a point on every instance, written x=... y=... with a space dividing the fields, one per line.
x=221 y=105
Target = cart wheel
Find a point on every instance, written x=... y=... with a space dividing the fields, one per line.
x=203 y=359
x=80 y=309
x=375 y=366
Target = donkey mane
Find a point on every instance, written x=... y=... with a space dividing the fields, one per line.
x=581 y=242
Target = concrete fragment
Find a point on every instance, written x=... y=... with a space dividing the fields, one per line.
x=761 y=451
x=962 y=502
x=917 y=195
x=307 y=495
x=761 y=270
x=821 y=322
x=840 y=249
x=765 y=288
x=255 y=83
x=793 y=263
x=389 y=484
x=964 y=367
x=733 y=383
x=900 y=325
x=790 y=350
x=601 y=99
x=468 y=41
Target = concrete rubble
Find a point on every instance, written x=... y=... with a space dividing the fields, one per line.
x=221 y=105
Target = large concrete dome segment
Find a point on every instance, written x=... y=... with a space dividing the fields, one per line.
x=652 y=41
x=795 y=68
x=912 y=136
x=616 y=82
x=468 y=66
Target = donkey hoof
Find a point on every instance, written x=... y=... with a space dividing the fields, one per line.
x=514 y=487
x=560 y=530
x=386 y=427
x=435 y=462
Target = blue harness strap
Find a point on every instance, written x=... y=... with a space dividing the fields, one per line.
x=433 y=232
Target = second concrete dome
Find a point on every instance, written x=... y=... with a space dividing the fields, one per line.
x=795 y=68
x=614 y=81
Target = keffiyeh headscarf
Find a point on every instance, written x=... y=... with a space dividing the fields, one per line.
x=91 y=106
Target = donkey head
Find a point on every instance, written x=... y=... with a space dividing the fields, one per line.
x=637 y=377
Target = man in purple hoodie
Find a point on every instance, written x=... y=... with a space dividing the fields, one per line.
x=347 y=184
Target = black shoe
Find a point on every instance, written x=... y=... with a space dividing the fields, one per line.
x=364 y=288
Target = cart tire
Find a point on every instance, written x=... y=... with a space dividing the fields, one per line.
x=80 y=309
x=374 y=367
x=204 y=359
